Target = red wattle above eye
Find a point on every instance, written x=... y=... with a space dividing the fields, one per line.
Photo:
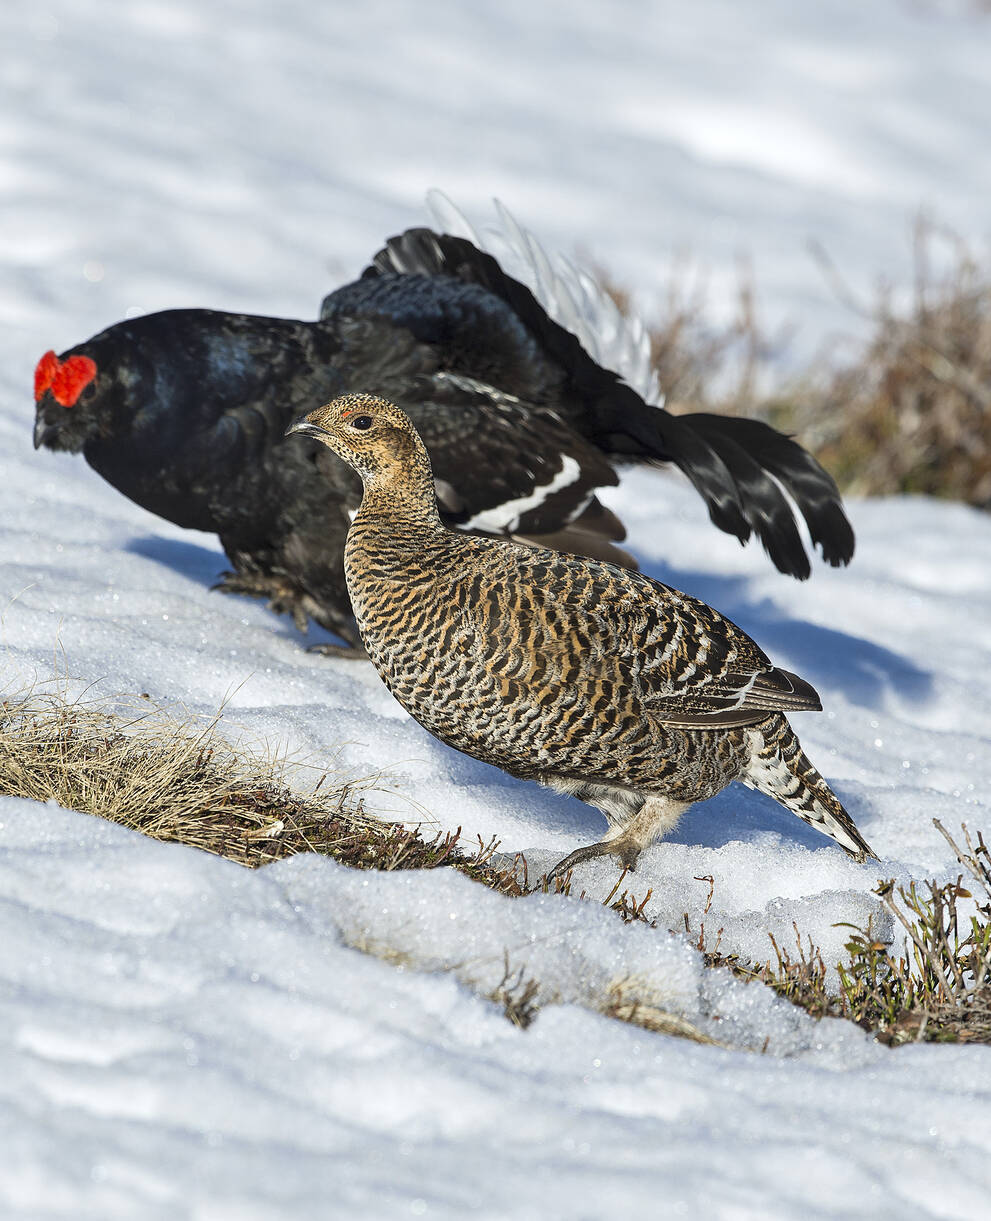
x=66 y=379
x=44 y=374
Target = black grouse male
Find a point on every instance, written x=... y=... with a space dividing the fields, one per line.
x=184 y=412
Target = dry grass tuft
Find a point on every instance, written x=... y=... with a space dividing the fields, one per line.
x=181 y=781
x=627 y=1002
x=518 y=994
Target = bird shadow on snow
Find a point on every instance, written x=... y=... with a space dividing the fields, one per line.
x=864 y=671
x=205 y=565
x=201 y=564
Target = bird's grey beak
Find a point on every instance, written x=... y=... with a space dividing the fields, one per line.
x=304 y=426
x=43 y=433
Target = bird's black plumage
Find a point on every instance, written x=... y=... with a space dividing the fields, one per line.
x=187 y=410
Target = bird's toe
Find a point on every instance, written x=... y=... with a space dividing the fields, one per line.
x=625 y=849
x=350 y=652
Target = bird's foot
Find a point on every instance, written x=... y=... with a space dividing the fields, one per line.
x=655 y=818
x=626 y=848
x=349 y=652
x=254 y=585
x=286 y=598
x=283 y=597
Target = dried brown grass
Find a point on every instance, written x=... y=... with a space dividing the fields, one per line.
x=912 y=414
x=180 y=780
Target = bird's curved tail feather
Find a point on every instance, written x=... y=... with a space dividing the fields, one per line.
x=753 y=478
x=782 y=770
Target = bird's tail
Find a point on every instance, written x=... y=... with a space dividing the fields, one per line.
x=738 y=466
x=741 y=468
x=782 y=770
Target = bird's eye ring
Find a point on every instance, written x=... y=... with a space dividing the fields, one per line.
x=361 y=422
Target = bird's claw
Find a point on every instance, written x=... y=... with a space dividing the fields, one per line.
x=624 y=847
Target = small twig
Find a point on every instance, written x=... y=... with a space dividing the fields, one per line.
x=619 y=883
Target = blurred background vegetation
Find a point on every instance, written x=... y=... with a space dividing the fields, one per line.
x=906 y=411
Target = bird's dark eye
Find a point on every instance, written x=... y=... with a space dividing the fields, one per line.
x=362 y=422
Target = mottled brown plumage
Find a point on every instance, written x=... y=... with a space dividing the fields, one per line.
x=581 y=675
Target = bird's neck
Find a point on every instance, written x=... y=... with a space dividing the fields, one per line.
x=405 y=499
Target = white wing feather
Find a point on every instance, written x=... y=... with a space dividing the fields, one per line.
x=569 y=294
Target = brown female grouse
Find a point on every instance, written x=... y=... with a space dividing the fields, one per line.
x=579 y=674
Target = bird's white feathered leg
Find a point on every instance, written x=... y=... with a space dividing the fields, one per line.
x=626 y=839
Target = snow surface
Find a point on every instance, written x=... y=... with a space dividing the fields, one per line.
x=183 y=1038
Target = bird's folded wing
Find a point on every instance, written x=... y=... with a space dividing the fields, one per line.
x=467 y=328
x=675 y=658
x=539 y=475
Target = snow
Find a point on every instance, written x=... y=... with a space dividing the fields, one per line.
x=182 y=1037
x=185 y=1038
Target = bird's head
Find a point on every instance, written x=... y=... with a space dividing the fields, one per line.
x=64 y=392
x=372 y=435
